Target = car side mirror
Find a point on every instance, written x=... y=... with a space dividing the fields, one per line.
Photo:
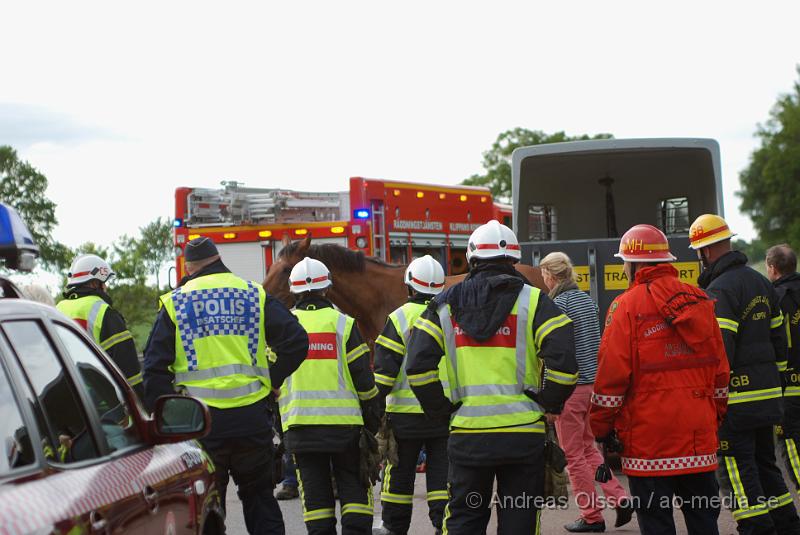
x=178 y=418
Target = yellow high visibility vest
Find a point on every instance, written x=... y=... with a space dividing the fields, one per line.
x=401 y=399
x=220 y=350
x=321 y=390
x=88 y=312
x=489 y=377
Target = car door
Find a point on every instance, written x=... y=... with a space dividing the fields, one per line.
x=85 y=482
x=163 y=473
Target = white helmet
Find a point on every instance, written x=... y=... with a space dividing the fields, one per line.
x=87 y=267
x=493 y=240
x=425 y=275
x=309 y=274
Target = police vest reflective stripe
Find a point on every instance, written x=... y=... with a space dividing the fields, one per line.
x=87 y=311
x=321 y=391
x=402 y=399
x=492 y=396
x=220 y=350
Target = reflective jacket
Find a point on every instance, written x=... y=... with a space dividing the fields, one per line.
x=91 y=309
x=788 y=291
x=220 y=350
x=662 y=377
x=755 y=340
x=321 y=391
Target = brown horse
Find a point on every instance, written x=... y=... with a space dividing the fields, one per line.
x=365 y=288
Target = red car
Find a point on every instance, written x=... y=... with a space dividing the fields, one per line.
x=78 y=454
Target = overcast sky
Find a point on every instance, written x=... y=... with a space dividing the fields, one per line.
x=120 y=104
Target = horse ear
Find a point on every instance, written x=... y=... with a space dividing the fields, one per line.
x=285 y=240
x=304 y=245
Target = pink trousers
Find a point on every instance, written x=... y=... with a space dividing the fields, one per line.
x=583 y=457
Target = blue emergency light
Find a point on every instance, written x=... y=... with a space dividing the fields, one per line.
x=177 y=223
x=361 y=213
x=17 y=247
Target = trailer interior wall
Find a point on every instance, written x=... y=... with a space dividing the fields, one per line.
x=643 y=178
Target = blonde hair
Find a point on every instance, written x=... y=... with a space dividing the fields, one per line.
x=559 y=266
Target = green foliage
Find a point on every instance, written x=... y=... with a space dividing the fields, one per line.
x=24 y=188
x=756 y=250
x=138 y=304
x=497 y=160
x=771 y=182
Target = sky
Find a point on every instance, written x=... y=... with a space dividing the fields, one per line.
x=120 y=103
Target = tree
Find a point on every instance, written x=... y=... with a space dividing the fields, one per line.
x=771 y=182
x=25 y=188
x=497 y=160
x=157 y=244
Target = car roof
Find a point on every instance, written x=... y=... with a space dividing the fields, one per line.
x=15 y=307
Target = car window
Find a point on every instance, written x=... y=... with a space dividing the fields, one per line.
x=107 y=398
x=17 y=449
x=65 y=420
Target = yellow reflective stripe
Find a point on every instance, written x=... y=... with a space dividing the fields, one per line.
x=385 y=380
x=749 y=512
x=319 y=514
x=357 y=508
x=432 y=329
x=536 y=427
x=788 y=333
x=438 y=495
x=391 y=345
x=424 y=378
x=782 y=365
x=561 y=377
x=357 y=352
x=736 y=481
x=776 y=322
x=794 y=460
x=115 y=339
x=404 y=499
x=779 y=501
x=731 y=325
x=791 y=391
x=134 y=380
x=369 y=394
x=754 y=395
x=549 y=326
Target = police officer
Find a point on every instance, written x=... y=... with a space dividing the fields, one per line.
x=751 y=322
x=210 y=340
x=494 y=331
x=324 y=406
x=781 y=264
x=87 y=302
x=662 y=384
x=412 y=430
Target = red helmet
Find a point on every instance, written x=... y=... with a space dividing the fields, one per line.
x=644 y=243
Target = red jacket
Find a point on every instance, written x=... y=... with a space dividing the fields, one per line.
x=662 y=380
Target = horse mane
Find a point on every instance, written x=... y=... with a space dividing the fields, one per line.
x=335 y=257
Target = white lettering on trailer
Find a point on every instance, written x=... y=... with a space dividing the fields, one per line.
x=406 y=224
x=463 y=227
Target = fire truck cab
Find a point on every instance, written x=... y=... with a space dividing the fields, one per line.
x=580 y=197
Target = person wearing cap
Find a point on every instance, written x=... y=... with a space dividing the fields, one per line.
x=407 y=425
x=494 y=332
x=87 y=302
x=325 y=405
x=661 y=388
x=781 y=263
x=752 y=325
x=210 y=340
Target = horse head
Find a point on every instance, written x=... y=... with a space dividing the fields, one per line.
x=277 y=281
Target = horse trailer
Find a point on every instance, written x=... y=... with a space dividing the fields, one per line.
x=580 y=197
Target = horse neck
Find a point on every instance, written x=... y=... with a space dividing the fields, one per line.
x=369 y=295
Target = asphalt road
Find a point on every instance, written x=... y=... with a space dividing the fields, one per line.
x=552 y=519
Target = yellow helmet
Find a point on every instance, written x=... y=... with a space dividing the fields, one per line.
x=708 y=229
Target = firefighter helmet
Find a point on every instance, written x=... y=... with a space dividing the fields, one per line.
x=493 y=240
x=708 y=229
x=644 y=243
x=309 y=274
x=87 y=267
x=425 y=275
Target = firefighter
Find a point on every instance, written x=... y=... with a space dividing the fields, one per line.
x=494 y=331
x=751 y=322
x=412 y=430
x=781 y=264
x=87 y=302
x=661 y=387
x=210 y=341
x=324 y=406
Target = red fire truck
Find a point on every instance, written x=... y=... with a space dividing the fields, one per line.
x=392 y=220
